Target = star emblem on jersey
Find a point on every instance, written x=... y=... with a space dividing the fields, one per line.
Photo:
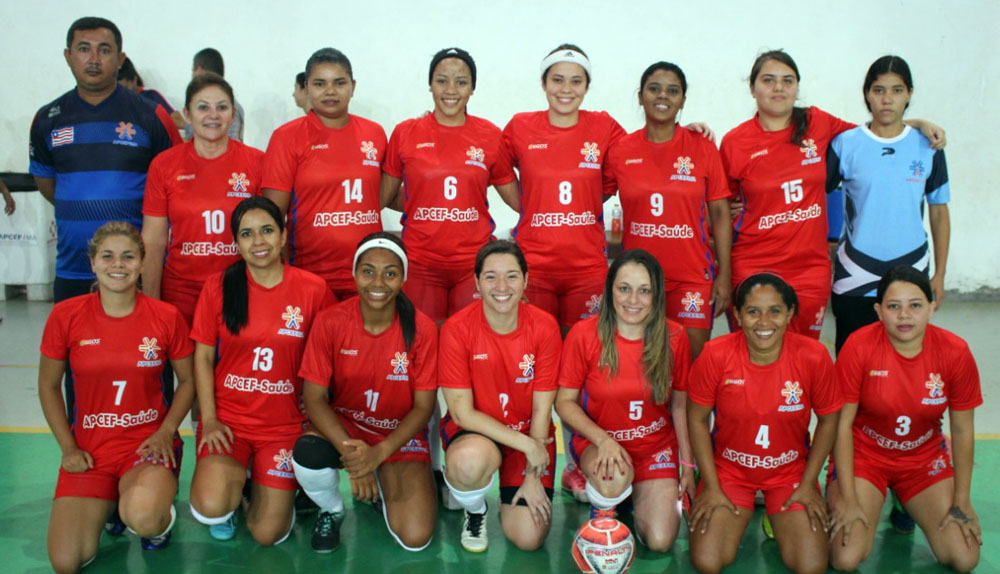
x=935 y=386
x=368 y=148
x=809 y=148
x=399 y=363
x=148 y=348
x=125 y=130
x=692 y=302
x=476 y=154
x=239 y=181
x=292 y=317
x=684 y=165
x=590 y=152
x=283 y=460
x=791 y=392
x=527 y=365
x=594 y=304
x=917 y=167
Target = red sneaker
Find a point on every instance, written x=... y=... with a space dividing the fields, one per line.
x=574 y=483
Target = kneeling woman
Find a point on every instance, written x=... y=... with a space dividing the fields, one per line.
x=499 y=360
x=762 y=383
x=123 y=446
x=255 y=317
x=898 y=377
x=622 y=386
x=371 y=372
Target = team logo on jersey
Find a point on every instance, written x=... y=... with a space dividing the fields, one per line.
x=476 y=154
x=663 y=459
x=527 y=366
x=399 y=363
x=818 y=325
x=917 y=168
x=590 y=152
x=793 y=394
x=938 y=465
x=684 y=165
x=283 y=460
x=413 y=445
x=148 y=348
x=809 y=148
x=62 y=136
x=692 y=302
x=125 y=131
x=239 y=182
x=935 y=390
x=593 y=306
x=292 y=317
x=371 y=153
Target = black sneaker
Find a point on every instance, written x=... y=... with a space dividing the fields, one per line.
x=900 y=519
x=326 y=533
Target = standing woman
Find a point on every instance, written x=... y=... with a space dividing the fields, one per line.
x=323 y=171
x=898 y=377
x=889 y=173
x=123 y=444
x=190 y=192
x=672 y=187
x=250 y=327
x=446 y=159
x=763 y=383
x=775 y=164
x=371 y=384
x=499 y=361
x=622 y=386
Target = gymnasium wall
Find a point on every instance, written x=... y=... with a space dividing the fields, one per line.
x=950 y=46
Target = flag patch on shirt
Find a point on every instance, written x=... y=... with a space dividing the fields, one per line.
x=62 y=136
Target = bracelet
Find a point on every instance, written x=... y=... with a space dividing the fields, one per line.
x=688 y=464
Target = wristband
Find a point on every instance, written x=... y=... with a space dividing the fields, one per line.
x=688 y=464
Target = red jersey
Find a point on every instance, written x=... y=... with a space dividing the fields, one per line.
x=333 y=176
x=372 y=378
x=445 y=172
x=561 y=228
x=901 y=401
x=664 y=190
x=503 y=371
x=762 y=412
x=623 y=405
x=117 y=363
x=197 y=196
x=257 y=387
x=783 y=188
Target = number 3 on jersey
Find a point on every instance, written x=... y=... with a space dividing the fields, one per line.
x=763 y=437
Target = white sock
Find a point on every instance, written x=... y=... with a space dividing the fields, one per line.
x=206 y=520
x=434 y=438
x=601 y=502
x=321 y=486
x=473 y=501
x=173 y=518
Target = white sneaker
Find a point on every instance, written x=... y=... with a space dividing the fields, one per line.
x=474 y=532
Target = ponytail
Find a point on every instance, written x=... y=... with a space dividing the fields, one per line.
x=800 y=125
x=407 y=319
x=235 y=297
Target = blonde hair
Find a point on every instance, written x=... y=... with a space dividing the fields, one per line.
x=111 y=229
x=656 y=355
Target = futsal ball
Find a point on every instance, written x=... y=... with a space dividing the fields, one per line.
x=603 y=546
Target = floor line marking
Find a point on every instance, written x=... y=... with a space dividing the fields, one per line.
x=18 y=366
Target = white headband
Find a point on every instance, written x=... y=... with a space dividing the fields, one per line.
x=382 y=243
x=565 y=56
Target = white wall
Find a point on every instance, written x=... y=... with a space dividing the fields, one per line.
x=950 y=46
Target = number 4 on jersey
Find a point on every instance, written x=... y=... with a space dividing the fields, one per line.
x=763 y=437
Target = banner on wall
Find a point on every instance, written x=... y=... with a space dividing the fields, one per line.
x=28 y=242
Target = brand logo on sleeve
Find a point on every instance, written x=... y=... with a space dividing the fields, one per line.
x=538 y=146
x=692 y=302
x=149 y=348
x=810 y=150
x=349 y=352
x=793 y=394
x=371 y=153
x=481 y=357
x=240 y=184
x=935 y=390
x=877 y=373
x=422 y=145
x=62 y=136
x=684 y=167
x=85 y=342
x=591 y=155
x=527 y=366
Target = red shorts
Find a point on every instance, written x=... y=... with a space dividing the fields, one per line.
x=907 y=482
x=270 y=456
x=568 y=298
x=512 y=462
x=742 y=493
x=687 y=303
x=417 y=448
x=102 y=480
x=439 y=292
x=653 y=463
x=183 y=295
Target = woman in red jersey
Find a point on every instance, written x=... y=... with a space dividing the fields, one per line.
x=672 y=187
x=250 y=328
x=499 y=360
x=763 y=383
x=123 y=445
x=190 y=191
x=899 y=376
x=622 y=386
x=776 y=165
x=324 y=171
x=446 y=159
x=371 y=384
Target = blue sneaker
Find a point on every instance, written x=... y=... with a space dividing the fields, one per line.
x=901 y=520
x=114 y=525
x=157 y=542
x=225 y=530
